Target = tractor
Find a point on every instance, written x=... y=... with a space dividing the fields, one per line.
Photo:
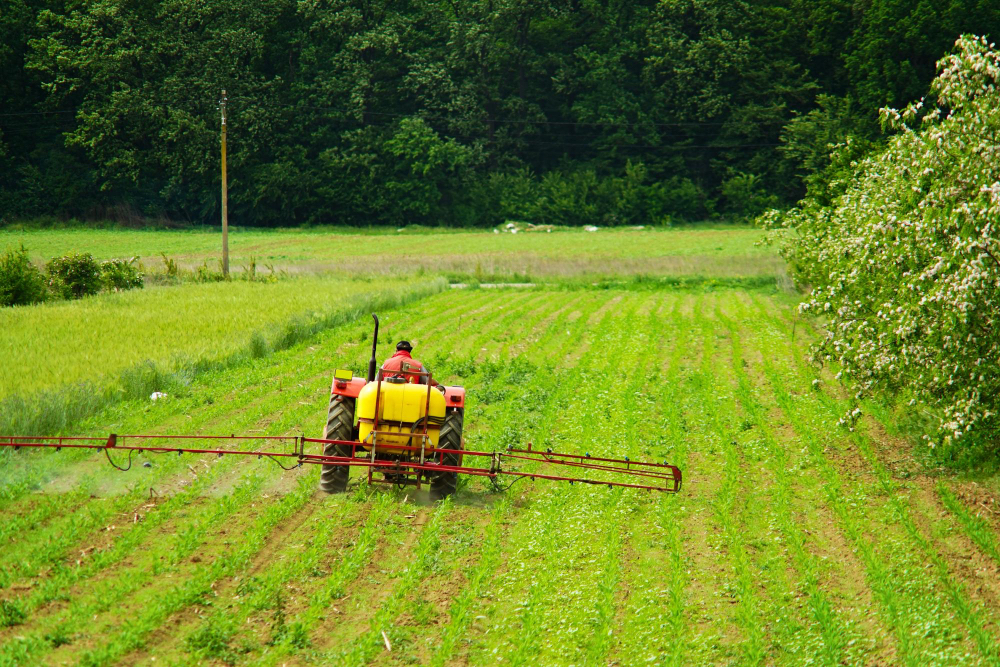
x=395 y=423
x=394 y=416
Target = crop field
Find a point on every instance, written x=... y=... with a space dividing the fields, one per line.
x=92 y=338
x=725 y=252
x=793 y=541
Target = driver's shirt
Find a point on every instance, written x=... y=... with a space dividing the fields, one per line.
x=396 y=361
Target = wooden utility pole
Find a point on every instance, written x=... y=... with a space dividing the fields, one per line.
x=225 y=193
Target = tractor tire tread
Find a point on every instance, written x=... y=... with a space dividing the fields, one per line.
x=445 y=484
x=339 y=426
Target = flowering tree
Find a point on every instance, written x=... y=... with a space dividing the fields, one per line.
x=905 y=264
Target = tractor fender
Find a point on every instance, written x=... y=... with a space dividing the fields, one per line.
x=349 y=388
x=454 y=397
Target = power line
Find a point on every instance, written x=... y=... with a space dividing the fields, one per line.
x=425 y=116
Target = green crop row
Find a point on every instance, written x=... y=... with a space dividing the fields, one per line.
x=834 y=633
x=654 y=627
x=334 y=586
x=546 y=392
x=198 y=586
x=50 y=544
x=977 y=528
x=738 y=504
x=896 y=566
x=133 y=536
x=213 y=637
x=559 y=530
x=420 y=564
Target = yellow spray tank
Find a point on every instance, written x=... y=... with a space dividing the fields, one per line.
x=403 y=409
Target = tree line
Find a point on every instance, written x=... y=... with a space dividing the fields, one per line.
x=458 y=113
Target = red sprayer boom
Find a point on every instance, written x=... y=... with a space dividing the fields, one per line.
x=513 y=463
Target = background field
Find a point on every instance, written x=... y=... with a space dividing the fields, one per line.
x=793 y=541
x=723 y=252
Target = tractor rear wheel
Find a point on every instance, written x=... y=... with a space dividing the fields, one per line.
x=443 y=484
x=339 y=426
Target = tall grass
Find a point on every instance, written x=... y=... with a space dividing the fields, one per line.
x=55 y=410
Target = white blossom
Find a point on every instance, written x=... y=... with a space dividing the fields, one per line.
x=904 y=267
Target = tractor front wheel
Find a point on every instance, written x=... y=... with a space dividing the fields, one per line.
x=443 y=484
x=339 y=426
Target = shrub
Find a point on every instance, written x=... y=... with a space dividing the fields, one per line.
x=744 y=195
x=905 y=265
x=21 y=282
x=582 y=197
x=74 y=275
x=119 y=275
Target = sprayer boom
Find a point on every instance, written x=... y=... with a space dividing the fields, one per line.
x=512 y=464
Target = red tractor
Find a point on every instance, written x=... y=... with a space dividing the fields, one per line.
x=394 y=416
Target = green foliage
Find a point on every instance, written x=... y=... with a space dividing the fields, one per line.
x=169 y=266
x=904 y=262
x=583 y=197
x=821 y=146
x=420 y=112
x=74 y=275
x=744 y=195
x=425 y=167
x=118 y=275
x=211 y=640
x=71 y=276
x=11 y=613
x=204 y=274
x=21 y=282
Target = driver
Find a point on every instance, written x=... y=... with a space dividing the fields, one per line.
x=402 y=356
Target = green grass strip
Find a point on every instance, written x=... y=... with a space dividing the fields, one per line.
x=52 y=546
x=77 y=616
x=460 y=611
x=731 y=518
x=553 y=387
x=212 y=639
x=51 y=412
x=970 y=612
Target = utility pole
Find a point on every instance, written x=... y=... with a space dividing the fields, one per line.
x=225 y=193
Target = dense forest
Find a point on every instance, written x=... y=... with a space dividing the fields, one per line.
x=453 y=113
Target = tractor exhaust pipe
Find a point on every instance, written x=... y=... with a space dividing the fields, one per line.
x=372 y=363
